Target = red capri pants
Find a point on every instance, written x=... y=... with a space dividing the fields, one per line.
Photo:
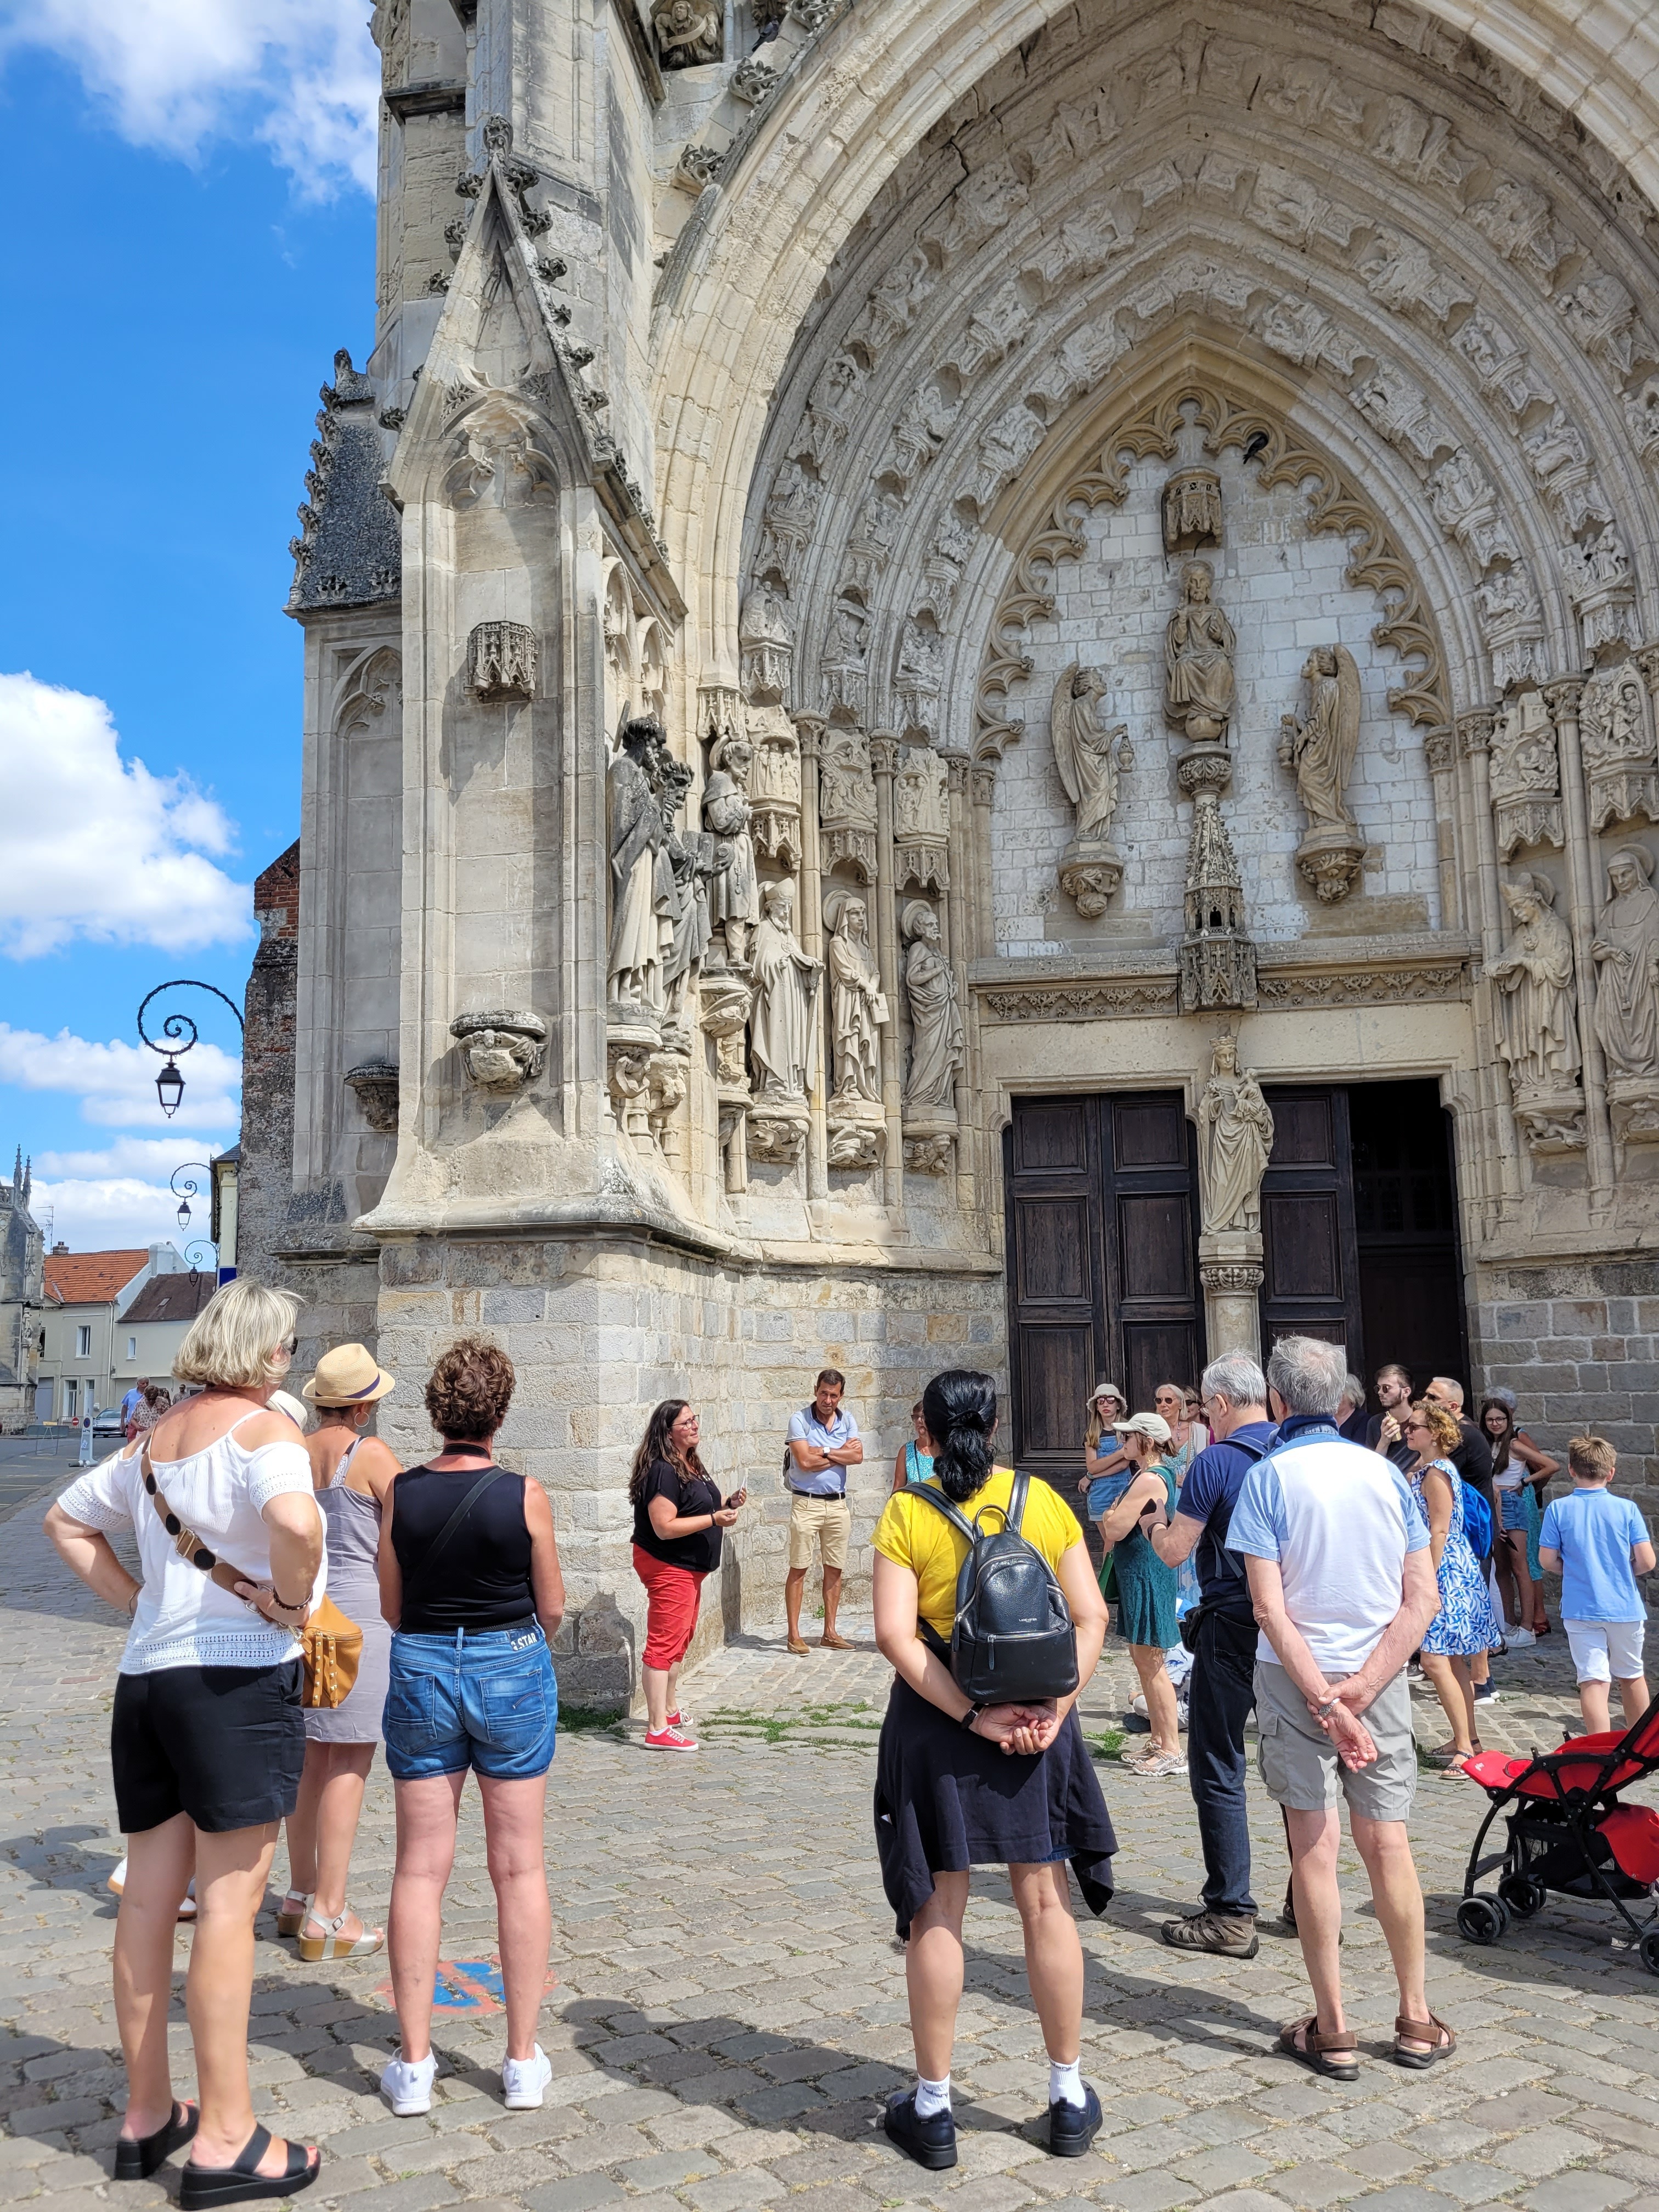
x=671 y=1598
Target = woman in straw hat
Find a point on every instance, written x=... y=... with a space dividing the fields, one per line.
x=351 y=1473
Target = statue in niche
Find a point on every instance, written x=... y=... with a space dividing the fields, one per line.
x=937 y=1043
x=1235 y=1139
x=782 y=1034
x=690 y=861
x=1087 y=756
x=919 y=807
x=1626 y=949
x=1198 y=654
x=1538 y=1037
x=1525 y=776
x=642 y=895
x=766 y=644
x=733 y=889
x=857 y=1007
x=687 y=31
x=1192 y=508
x=1319 y=751
x=1613 y=719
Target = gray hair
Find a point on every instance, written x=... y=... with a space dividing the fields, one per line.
x=1453 y=1389
x=1308 y=1375
x=1235 y=1378
x=1354 y=1391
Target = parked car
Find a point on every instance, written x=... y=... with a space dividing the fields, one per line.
x=108 y=1422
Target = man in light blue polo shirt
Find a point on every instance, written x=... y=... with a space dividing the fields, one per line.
x=1341 y=1577
x=823 y=1442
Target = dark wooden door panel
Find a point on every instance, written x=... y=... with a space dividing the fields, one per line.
x=1155 y=1247
x=1052 y=1137
x=1052 y=1246
x=1304 y=1133
x=1056 y=1376
x=1149 y=1132
x=1311 y=1280
x=1158 y=1351
x=1302 y=1238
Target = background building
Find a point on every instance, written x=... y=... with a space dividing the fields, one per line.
x=88 y=1349
x=21 y=1249
x=1137 y=535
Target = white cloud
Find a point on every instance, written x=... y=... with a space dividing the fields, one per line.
x=301 y=76
x=110 y=1212
x=116 y=1082
x=147 y=1158
x=91 y=845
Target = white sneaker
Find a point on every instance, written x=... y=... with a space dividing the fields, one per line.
x=407 y=2083
x=526 y=2080
x=1519 y=1639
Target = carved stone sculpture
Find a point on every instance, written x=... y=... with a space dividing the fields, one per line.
x=500 y=661
x=775 y=786
x=1199 y=644
x=918 y=675
x=1235 y=1140
x=857 y=1008
x=937 y=1041
x=691 y=862
x=723 y=1008
x=782 y=1033
x=1192 y=509
x=845 y=663
x=1538 y=1028
x=1602 y=590
x=642 y=901
x=1087 y=756
x=1320 y=748
x=922 y=821
x=734 y=888
x=1217 y=966
x=1512 y=624
x=687 y=31
x=766 y=644
x=375 y=1086
x=1626 y=949
x=847 y=803
x=1615 y=731
x=1526 y=777
x=501 y=1051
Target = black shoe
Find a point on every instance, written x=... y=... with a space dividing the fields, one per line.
x=137 y=2157
x=201 y=2187
x=1073 y=2128
x=931 y=2143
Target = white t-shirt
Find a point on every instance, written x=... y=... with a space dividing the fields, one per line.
x=1340 y=1520
x=183 y=1618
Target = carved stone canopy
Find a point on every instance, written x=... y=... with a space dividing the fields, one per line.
x=502 y=1050
x=1192 y=509
x=375 y=1083
x=500 y=661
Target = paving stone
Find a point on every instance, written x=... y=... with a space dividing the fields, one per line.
x=1579 y=2192
x=1543 y=2150
x=1315 y=2184
x=580 y=2195
x=1471 y=2181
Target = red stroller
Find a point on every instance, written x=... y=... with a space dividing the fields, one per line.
x=1568 y=1833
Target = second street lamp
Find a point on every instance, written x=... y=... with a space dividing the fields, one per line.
x=178 y=1034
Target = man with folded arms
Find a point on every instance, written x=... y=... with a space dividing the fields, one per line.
x=823 y=1442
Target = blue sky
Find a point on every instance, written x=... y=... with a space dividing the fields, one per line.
x=193 y=236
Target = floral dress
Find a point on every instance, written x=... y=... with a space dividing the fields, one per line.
x=1464 y=1624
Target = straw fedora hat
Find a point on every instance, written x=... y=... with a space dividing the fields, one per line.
x=347 y=1376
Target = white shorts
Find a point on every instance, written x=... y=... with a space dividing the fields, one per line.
x=1606 y=1651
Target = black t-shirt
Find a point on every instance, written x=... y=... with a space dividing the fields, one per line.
x=688 y=1496
x=1399 y=1451
x=481 y=1579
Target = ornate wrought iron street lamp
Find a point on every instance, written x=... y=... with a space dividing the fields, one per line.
x=190 y=1190
x=179 y=1034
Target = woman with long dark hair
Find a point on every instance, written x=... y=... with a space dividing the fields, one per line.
x=1520 y=1474
x=960 y=1785
x=678 y=1515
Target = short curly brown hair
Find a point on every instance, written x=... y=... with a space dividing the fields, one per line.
x=469 y=1390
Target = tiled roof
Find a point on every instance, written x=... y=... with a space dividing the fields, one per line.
x=90 y=1278
x=172 y=1297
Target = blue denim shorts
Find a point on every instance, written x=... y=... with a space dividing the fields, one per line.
x=1512 y=1508
x=488 y=1701
x=1104 y=1493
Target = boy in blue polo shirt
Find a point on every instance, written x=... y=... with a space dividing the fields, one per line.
x=1598 y=1544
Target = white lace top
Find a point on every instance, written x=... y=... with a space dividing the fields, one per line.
x=183 y=1618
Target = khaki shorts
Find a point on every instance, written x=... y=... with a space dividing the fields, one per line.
x=1299 y=1764
x=819 y=1528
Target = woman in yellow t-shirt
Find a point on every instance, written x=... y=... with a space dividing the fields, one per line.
x=960 y=1785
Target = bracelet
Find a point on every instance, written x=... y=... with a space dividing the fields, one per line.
x=281 y=1604
x=966 y=1724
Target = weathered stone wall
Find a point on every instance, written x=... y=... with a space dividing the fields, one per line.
x=265 y=1172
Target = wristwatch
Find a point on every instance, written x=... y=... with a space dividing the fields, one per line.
x=966 y=1722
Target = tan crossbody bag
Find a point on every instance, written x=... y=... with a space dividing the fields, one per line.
x=331 y=1647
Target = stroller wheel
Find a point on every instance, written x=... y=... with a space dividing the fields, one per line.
x=1481 y=1919
x=1649 y=1950
x=1521 y=1894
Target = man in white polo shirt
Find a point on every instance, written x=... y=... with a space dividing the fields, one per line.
x=1337 y=1554
x=823 y=1442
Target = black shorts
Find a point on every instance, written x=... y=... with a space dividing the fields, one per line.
x=224 y=1744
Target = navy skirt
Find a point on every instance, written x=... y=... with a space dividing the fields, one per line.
x=947 y=1801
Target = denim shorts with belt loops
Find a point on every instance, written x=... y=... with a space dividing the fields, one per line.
x=484 y=1698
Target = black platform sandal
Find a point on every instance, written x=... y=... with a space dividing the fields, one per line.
x=137 y=2157
x=200 y=2186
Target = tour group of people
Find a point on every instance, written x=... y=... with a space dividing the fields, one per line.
x=1299 y=1551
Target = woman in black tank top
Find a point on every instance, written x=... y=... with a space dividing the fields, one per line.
x=470 y=1582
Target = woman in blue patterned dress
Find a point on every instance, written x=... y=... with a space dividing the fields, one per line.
x=1464 y=1624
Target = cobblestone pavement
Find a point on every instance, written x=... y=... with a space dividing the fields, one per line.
x=730 y=2003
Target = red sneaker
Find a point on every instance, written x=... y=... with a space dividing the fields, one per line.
x=669 y=1739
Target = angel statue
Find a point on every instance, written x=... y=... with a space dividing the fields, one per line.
x=1321 y=749
x=1088 y=756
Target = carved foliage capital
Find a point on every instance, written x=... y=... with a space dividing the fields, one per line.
x=1474 y=731
x=883 y=754
x=1562 y=696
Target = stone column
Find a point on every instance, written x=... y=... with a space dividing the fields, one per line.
x=884 y=760
x=959 y=905
x=1562 y=698
x=809 y=729
x=1229 y=1268
x=1474 y=731
x=977 y=857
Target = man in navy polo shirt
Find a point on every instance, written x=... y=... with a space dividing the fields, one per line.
x=823 y=1442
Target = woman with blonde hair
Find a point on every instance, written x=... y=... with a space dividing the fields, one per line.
x=207 y=1736
x=352 y=1473
x=1464 y=1626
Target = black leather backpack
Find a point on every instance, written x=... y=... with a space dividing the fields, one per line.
x=1013 y=1637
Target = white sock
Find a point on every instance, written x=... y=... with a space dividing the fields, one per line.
x=932 y=2097
x=1066 y=2082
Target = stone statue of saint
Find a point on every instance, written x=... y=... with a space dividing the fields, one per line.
x=857 y=1008
x=1198 y=656
x=1626 y=949
x=733 y=890
x=690 y=860
x=642 y=895
x=1538 y=1035
x=1235 y=1139
x=687 y=31
x=1321 y=749
x=782 y=1034
x=937 y=1046
x=1087 y=756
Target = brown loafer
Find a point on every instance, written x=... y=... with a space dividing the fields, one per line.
x=831 y=1642
x=799 y=1646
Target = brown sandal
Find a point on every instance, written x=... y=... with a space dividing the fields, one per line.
x=1433 y=2031
x=1320 y=2052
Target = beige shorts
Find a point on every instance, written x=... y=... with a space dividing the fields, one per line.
x=819 y=1528
x=1299 y=1764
